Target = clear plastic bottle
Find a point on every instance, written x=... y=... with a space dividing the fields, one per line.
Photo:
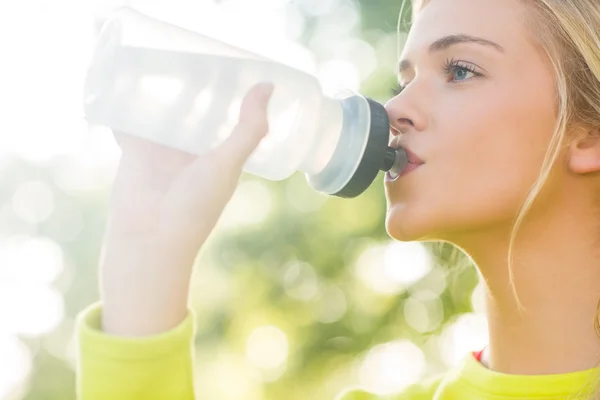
x=182 y=89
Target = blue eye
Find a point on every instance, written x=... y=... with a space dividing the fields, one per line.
x=460 y=74
x=459 y=71
x=456 y=71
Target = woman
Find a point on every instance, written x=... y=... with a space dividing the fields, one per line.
x=500 y=109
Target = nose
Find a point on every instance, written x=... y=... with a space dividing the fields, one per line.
x=400 y=125
x=405 y=113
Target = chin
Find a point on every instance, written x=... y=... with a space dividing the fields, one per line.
x=407 y=225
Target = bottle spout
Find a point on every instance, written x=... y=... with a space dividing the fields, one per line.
x=395 y=160
x=362 y=151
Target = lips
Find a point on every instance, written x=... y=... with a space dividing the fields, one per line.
x=414 y=161
x=412 y=157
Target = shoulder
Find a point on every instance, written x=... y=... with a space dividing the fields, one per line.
x=424 y=390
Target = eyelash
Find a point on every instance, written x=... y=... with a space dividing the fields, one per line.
x=450 y=65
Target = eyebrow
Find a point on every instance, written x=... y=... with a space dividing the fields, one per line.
x=449 y=41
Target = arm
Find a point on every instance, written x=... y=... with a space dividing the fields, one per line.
x=164 y=205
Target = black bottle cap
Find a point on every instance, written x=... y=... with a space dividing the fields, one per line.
x=389 y=159
x=377 y=155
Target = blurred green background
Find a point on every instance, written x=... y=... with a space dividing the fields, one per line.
x=298 y=296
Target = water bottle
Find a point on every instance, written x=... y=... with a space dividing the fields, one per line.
x=182 y=89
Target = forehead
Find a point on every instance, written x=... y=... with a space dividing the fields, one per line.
x=502 y=21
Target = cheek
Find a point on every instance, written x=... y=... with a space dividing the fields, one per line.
x=498 y=144
x=499 y=151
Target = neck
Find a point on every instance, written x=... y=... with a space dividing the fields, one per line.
x=556 y=274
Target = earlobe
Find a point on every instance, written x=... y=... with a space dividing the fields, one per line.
x=584 y=154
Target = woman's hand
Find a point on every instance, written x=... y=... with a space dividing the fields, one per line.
x=165 y=204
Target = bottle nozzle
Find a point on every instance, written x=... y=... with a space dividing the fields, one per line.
x=395 y=160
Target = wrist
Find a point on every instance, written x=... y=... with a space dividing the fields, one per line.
x=145 y=285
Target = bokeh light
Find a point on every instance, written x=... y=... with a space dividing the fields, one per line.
x=333 y=305
x=15 y=365
x=424 y=311
x=33 y=201
x=300 y=280
x=393 y=267
x=25 y=258
x=406 y=262
x=267 y=347
x=231 y=378
x=370 y=269
x=468 y=333
x=31 y=309
x=388 y=368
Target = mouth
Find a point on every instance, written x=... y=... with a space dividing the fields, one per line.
x=392 y=176
x=414 y=162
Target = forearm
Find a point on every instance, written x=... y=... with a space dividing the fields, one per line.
x=145 y=284
x=165 y=204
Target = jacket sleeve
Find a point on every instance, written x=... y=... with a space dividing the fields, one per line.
x=122 y=368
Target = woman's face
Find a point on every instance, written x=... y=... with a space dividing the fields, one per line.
x=479 y=108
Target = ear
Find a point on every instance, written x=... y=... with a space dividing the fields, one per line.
x=584 y=153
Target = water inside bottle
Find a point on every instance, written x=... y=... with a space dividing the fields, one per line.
x=191 y=102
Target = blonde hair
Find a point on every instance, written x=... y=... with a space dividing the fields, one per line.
x=568 y=32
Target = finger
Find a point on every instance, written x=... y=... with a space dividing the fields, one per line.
x=128 y=142
x=251 y=128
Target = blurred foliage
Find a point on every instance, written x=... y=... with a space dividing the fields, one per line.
x=295 y=268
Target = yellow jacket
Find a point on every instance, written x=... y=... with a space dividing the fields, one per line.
x=161 y=368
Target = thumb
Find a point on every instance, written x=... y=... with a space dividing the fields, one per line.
x=251 y=128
